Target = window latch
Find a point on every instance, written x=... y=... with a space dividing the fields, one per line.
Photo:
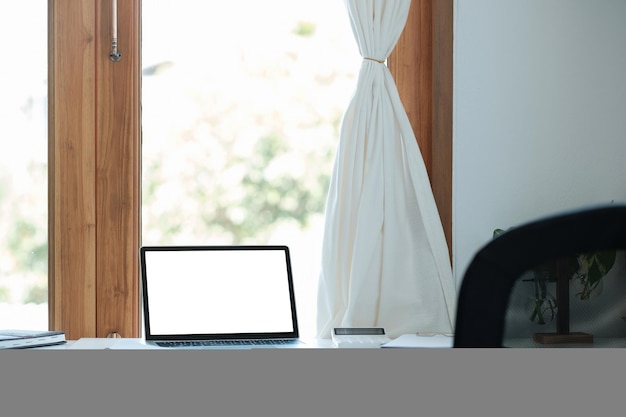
x=115 y=54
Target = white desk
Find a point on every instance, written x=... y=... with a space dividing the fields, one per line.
x=432 y=341
x=91 y=380
x=138 y=344
x=278 y=382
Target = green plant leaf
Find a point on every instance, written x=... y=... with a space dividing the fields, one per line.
x=599 y=263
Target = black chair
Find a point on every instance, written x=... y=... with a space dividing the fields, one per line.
x=492 y=274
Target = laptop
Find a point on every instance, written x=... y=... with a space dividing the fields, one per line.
x=218 y=297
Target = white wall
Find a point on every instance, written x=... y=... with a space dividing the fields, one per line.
x=539 y=113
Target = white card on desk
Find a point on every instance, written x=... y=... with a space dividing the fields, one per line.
x=414 y=340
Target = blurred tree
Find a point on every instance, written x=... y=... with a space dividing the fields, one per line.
x=253 y=150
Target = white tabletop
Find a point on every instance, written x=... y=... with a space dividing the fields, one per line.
x=139 y=344
x=404 y=341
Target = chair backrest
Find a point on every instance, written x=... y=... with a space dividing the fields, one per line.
x=490 y=277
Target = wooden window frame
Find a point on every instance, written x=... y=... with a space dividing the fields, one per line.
x=94 y=149
x=94 y=169
x=421 y=64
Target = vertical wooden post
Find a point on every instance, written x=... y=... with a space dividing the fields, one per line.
x=94 y=146
x=72 y=170
x=421 y=65
x=118 y=177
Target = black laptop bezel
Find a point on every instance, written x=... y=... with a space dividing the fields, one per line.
x=149 y=336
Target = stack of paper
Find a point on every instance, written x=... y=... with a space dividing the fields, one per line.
x=415 y=340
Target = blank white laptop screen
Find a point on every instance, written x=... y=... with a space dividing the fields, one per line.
x=218 y=290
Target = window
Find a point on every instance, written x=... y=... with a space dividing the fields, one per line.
x=94 y=149
x=240 y=118
x=23 y=169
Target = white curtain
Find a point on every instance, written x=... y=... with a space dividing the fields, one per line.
x=385 y=261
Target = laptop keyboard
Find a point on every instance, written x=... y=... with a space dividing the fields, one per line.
x=210 y=343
